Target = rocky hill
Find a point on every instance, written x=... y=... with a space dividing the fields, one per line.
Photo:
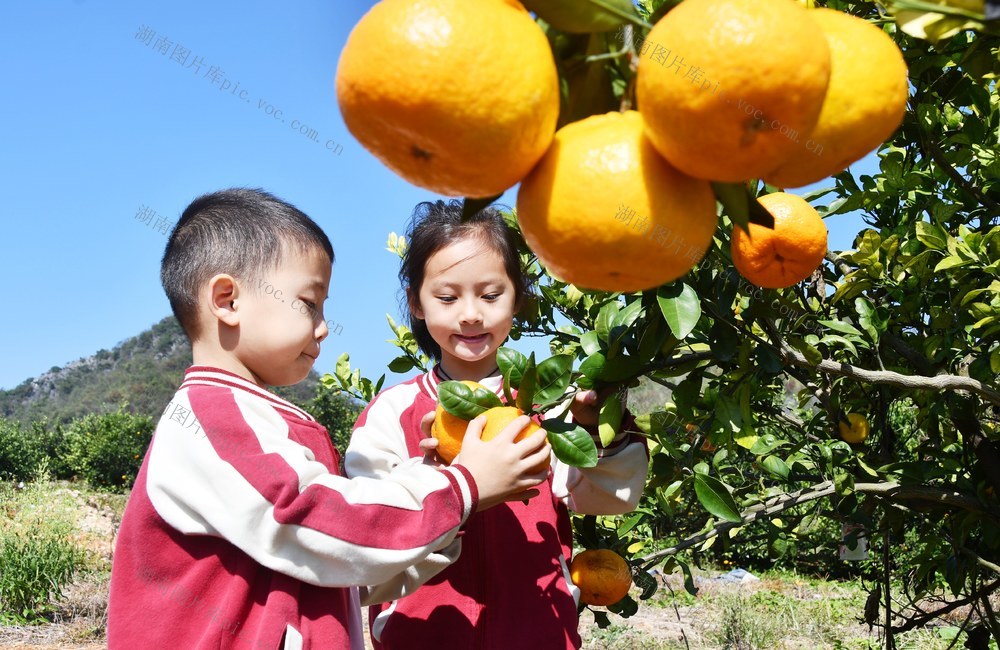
x=141 y=372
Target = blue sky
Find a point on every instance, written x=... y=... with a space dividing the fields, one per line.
x=99 y=124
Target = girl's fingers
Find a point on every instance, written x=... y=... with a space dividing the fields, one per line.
x=425 y=424
x=514 y=427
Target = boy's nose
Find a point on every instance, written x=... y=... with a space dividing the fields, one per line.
x=322 y=331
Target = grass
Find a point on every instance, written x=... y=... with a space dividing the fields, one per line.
x=65 y=532
x=783 y=611
x=55 y=554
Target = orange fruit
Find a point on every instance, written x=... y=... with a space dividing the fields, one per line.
x=602 y=575
x=459 y=97
x=864 y=103
x=602 y=210
x=500 y=416
x=855 y=430
x=786 y=255
x=449 y=430
x=725 y=86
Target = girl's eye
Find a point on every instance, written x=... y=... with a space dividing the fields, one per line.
x=491 y=296
x=446 y=298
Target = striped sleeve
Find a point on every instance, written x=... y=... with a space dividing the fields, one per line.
x=241 y=477
x=378 y=449
x=613 y=486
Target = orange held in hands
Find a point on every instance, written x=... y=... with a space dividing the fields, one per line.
x=449 y=430
x=786 y=255
x=603 y=210
x=864 y=103
x=500 y=416
x=726 y=87
x=602 y=575
x=459 y=97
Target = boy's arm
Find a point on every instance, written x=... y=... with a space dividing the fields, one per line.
x=613 y=486
x=378 y=448
x=243 y=479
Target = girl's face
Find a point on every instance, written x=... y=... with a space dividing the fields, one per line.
x=467 y=301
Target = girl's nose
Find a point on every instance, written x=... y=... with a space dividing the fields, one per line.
x=471 y=313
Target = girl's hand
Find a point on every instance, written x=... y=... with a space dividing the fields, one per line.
x=586 y=406
x=429 y=444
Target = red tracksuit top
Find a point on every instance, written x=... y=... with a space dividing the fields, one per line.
x=240 y=531
x=510 y=587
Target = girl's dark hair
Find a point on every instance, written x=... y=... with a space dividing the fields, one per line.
x=436 y=225
x=238 y=231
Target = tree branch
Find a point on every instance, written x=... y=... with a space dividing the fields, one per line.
x=889 y=490
x=892 y=378
x=927 y=617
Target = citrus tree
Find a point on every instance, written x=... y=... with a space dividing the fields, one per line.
x=863 y=400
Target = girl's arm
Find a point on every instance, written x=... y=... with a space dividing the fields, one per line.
x=615 y=484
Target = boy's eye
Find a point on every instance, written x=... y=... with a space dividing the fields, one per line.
x=310 y=304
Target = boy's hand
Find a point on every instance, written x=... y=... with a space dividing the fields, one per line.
x=504 y=470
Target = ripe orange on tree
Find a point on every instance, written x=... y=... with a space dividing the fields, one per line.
x=855 y=429
x=864 y=103
x=602 y=576
x=787 y=254
x=603 y=210
x=725 y=86
x=460 y=97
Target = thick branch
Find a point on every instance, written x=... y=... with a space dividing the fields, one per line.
x=892 y=378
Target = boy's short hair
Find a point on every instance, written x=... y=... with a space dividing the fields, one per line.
x=239 y=231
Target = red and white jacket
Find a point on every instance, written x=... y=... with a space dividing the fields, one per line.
x=241 y=533
x=510 y=588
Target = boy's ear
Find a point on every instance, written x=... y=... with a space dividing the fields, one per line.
x=224 y=294
x=414 y=303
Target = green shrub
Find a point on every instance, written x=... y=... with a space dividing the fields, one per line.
x=107 y=449
x=19 y=458
x=34 y=567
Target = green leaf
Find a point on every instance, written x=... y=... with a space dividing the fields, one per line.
x=401 y=364
x=681 y=311
x=511 y=363
x=775 y=466
x=554 y=375
x=610 y=419
x=714 y=496
x=590 y=343
x=601 y=619
x=932 y=235
x=583 y=16
x=342 y=370
x=841 y=326
x=765 y=444
x=950 y=263
x=647 y=583
x=526 y=390
x=571 y=443
x=605 y=319
x=591 y=369
x=464 y=402
x=688 y=578
x=811 y=354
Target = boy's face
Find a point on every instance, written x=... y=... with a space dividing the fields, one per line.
x=281 y=321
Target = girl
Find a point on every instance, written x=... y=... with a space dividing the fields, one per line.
x=510 y=587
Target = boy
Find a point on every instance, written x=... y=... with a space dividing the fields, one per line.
x=240 y=531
